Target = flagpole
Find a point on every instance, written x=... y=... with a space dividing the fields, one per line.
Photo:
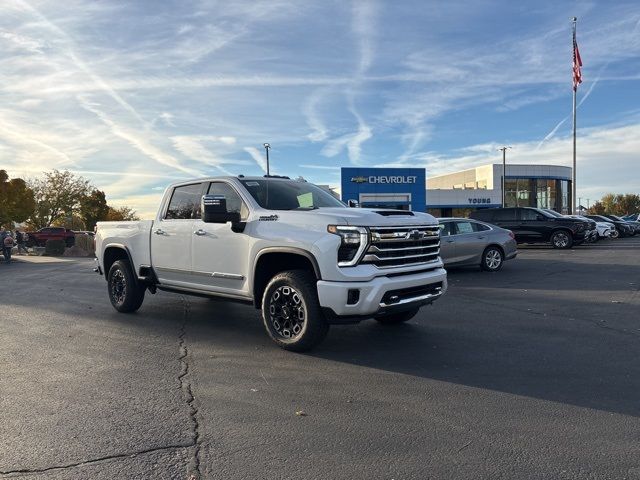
x=573 y=183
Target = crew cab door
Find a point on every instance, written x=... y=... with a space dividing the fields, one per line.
x=508 y=218
x=171 y=236
x=533 y=225
x=220 y=257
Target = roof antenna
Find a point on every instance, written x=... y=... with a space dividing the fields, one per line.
x=267 y=147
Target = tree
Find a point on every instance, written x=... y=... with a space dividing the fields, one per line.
x=17 y=201
x=93 y=208
x=619 y=204
x=57 y=195
x=121 y=214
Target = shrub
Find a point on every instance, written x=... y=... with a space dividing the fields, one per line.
x=54 y=247
x=85 y=242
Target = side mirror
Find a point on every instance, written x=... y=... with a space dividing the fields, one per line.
x=214 y=210
x=353 y=203
x=540 y=218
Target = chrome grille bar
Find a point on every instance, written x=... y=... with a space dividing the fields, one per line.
x=403 y=245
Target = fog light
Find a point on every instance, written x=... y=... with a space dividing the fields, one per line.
x=353 y=296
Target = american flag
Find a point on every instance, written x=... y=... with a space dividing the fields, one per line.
x=577 y=63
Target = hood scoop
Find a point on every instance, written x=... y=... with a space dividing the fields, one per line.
x=394 y=213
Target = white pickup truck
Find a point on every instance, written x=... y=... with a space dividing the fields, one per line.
x=288 y=247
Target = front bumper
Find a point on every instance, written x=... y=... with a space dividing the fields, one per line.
x=413 y=290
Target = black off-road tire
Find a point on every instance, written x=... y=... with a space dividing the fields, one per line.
x=492 y=259
x=125 y=292
x=396 y=318
x=291 y=311
x=562 y=239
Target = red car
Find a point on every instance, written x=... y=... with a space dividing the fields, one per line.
x=39 y=238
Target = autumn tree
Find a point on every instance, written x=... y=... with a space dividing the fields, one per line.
x=121 y=214
x=93 y=208
x=17 y=201
x=616 y=204
x=57 y=195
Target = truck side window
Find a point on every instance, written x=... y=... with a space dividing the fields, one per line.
x=528 y=215
x=505 y=214
x=185 y=202
x=234 y=202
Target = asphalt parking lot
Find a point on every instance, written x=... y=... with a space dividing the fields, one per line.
x=532 y=372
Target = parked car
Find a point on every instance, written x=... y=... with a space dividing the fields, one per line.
x=533 y=225
x=623 y=228
x=634 y=224
x=597 y=230
x=39 y=238
x=604 y=229
x=285 y=246
x=469 y=242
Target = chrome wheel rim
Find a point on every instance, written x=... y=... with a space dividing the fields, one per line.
x=561 y=240
x=287 y=312
x=493 y=259
x=118 y=287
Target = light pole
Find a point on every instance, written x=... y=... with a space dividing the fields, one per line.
x=504 y=173
x=267 y=147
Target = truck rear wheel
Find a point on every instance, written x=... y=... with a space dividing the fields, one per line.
x=399 y=317
x=125 y=293
x=291 y=312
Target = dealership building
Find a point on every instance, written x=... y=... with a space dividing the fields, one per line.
x=458 y=193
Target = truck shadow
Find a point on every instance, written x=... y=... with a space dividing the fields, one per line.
x=519 y=355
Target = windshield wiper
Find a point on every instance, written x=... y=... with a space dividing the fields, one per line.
x=312 y=207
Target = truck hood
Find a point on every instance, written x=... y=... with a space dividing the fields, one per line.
x=370 y=217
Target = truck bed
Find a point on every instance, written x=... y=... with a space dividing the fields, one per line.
x=134 y=236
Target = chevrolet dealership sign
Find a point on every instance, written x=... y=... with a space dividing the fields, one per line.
x=391 y=187
x=398 y=179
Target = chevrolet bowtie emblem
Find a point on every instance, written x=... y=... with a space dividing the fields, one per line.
x=359 y=179
x=414 y=235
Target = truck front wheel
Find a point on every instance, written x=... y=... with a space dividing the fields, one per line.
x=125 y=293
x=291 y=312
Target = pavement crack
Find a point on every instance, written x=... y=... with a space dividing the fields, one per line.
x=93 y=460
x=187 y=391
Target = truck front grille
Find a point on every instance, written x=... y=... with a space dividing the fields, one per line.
x=399 y=246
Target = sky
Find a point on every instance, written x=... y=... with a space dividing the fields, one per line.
x=136 y=94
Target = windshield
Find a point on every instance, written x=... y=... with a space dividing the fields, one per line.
x=553 y=213
x=290 y=195
x=544 y=212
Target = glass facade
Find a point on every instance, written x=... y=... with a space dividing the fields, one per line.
x=538 y=192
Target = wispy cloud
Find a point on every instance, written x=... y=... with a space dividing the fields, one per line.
x=319 y=130
x=258 y=157
x=122 y=89
x=137 y=141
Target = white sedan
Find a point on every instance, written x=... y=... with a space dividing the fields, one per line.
x=605 y=229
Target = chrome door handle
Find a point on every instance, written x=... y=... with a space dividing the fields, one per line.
x=159 y=232
x=200 y=232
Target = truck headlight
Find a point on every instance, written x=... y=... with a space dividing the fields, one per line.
x=353 y=241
